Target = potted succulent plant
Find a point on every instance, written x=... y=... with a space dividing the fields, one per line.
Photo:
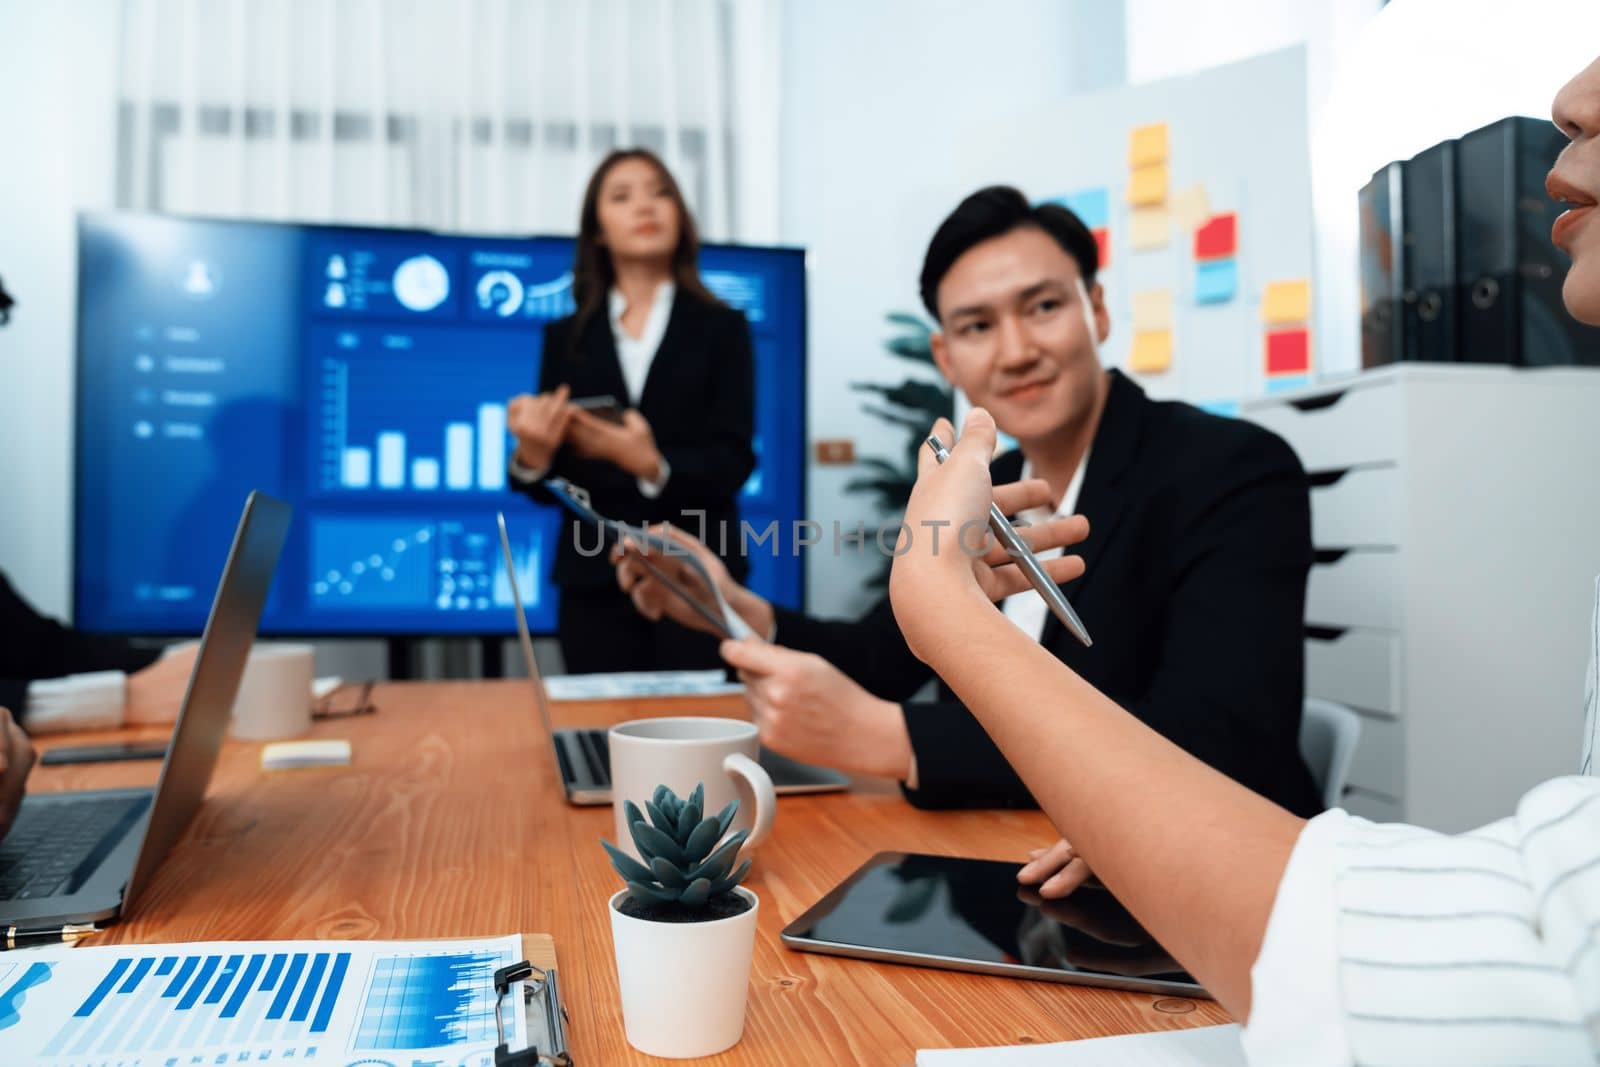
x=683 y=929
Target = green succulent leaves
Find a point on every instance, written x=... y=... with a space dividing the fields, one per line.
x=683 y=862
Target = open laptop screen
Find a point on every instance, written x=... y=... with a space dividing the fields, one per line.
x=208 y=704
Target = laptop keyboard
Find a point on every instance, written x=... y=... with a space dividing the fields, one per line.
x=596 y=752
x=53 y=848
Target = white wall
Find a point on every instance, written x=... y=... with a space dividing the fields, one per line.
x=58 y=79
x=873 y=97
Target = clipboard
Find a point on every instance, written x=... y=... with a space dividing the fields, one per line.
x=534 y=983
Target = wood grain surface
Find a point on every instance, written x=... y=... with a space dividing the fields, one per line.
x=449 y=822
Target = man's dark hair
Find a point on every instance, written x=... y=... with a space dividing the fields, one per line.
x=993 y=212
x=6 y=304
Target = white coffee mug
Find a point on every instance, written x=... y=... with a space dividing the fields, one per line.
x=274 y=693
x=681 y=753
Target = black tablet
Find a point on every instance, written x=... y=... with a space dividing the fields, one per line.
x=970 y=915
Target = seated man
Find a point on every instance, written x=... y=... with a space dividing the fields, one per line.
x=54 y=678
x=16 y=760
x=1198 y=549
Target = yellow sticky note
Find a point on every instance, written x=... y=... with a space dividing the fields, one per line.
x=1152 y=310
x=1147 y=144
x=1152 y=351
x=1148 y=227
x=1148 y=185
x=1191 y=207
x=1287 y=302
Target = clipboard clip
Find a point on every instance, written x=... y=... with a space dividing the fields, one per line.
x=537 y=984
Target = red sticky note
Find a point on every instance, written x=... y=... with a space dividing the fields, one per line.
x=1289 y=351
x=1218 y=237
x=1102 y=239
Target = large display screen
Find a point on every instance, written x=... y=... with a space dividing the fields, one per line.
x=361 y=375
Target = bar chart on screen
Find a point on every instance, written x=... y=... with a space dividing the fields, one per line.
x=395 y=412
x=261 y=1002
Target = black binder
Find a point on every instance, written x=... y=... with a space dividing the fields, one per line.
x=1382 y=268
x=1509 y=274
x=1429 y=224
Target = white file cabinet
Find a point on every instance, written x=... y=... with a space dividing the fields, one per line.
x=1456 y=517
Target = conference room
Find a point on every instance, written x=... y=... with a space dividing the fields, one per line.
x=764 y=531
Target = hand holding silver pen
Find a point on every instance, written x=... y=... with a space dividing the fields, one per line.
x=1026 y=561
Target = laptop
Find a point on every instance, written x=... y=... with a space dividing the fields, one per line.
x=583 y=756
x=83 y=857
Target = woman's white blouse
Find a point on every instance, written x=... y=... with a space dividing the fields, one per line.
x=1390 y=944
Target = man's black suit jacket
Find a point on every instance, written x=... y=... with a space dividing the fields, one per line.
x=1198 y=551
x=699 y=398
x=34 y=647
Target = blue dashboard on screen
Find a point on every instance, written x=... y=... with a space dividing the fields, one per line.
x=361 y=375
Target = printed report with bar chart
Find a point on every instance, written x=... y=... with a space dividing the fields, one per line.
x=262 y=1002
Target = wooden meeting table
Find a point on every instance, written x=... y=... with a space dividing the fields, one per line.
x=449 y=822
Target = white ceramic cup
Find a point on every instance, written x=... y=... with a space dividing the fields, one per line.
x=681 y=753
x=274 y=693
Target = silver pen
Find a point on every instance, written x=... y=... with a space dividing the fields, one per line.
x=1024 y=558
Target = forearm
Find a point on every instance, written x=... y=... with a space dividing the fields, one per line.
x=1193 y=855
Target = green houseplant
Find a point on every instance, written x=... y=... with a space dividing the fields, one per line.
x=683 y=928
x=689 y=876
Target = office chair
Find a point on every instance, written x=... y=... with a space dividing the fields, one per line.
x=1328 y=736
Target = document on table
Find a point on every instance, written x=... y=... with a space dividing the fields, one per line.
x=624 y=685
x=262 y=1002
x=1205 y=1046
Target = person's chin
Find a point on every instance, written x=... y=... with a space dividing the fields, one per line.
x=1024 y=421
x=653 y=246
x=1581 y=290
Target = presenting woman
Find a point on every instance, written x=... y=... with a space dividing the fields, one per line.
x=647 y=400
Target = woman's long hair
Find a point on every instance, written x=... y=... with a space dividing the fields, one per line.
x=593 y=273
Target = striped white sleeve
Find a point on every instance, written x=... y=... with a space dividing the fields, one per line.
x=1472 y=949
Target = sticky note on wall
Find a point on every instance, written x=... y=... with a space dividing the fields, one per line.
x=1286 y=302
x=1147 y=144
x=1147 y=227
x=1148 y=185
x=1152 y=351
x=1218 y=237
x=1093 y=206
x=1152 y=310
x=1191 y=207
x=1288 y=351
x=1216 y=281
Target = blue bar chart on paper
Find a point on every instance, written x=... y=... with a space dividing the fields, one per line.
x=262 y=1002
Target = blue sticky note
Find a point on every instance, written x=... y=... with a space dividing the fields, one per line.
x=1216 y=281
x=1093 y=206
x=1281 y=383
x=1226 y=408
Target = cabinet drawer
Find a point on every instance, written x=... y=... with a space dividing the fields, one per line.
x=1372 y=806
x=1380 y=759
x=1357 y=506
x=1359 y=668
x=1338 y=429
x=1354 y=588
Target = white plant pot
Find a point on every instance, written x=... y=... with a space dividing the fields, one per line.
x=684 y=985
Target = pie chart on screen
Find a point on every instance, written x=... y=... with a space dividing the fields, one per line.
x=421 y=283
